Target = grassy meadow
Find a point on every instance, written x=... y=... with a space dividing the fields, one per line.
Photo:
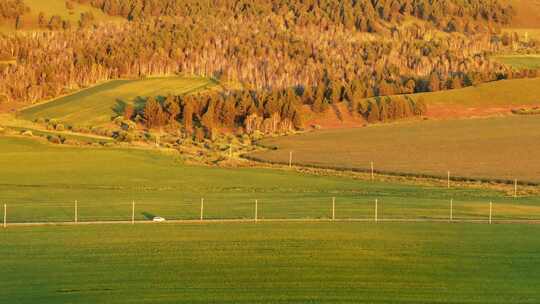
x=40 y=183
x=514 y=92
x=96 y=105
x=271 y=263
x=520 y=62
x=491 y=148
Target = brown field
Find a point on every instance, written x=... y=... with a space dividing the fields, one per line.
x=528 y=12
x=492 y=148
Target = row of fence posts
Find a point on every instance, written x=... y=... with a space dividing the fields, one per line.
x=256 y=215
x=372 y=165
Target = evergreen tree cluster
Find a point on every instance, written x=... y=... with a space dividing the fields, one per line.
x=250 y=111
x=267 y=112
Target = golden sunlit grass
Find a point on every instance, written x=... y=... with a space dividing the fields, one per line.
x=97 y=105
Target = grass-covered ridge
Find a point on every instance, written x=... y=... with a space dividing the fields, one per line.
x=499 y=93
x=520 y=62
x=493 y=148
x=98 y=104
x=272 y=263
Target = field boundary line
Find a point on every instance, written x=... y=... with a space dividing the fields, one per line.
x=463 y=179
x=278 y=220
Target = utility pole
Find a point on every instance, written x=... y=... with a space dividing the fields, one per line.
x=372 y=172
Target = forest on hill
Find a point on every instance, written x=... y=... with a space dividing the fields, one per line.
x=324 y=51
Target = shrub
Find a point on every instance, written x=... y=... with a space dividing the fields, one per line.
x=59 y=127
x=527 y=111
x=128 y=125
x=123 y=136
x=53 y=122
x=54 y=139
x=118 y=120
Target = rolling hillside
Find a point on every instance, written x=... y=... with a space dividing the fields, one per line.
x=493 y=98
x=106 y=180
x=40 y=182
x=96 y=105
x=520 y=62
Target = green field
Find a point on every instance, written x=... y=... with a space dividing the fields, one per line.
x=520 y=62
x=271 y=263
x=40 y=182
x=316 y=262
x=492 y=148
x=513 y=92
x=96 y=105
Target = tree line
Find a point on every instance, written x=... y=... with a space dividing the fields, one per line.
x=362 y=15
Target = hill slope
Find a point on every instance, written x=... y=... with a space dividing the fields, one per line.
x=497 y=97
x=527 y=13
x=96 y=105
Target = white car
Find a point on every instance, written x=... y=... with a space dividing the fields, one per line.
x=158 y=219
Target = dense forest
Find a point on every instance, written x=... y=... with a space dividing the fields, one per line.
x=323 y=47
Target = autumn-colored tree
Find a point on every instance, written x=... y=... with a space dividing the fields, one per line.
x=187 y=116
x=172 y=109
x=128 y=111
x=434 y=83
x=153 y=113
x=373 y=115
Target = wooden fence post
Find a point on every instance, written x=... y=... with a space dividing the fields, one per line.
x=333 y=208
x=202 y=209
x=256 y=210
